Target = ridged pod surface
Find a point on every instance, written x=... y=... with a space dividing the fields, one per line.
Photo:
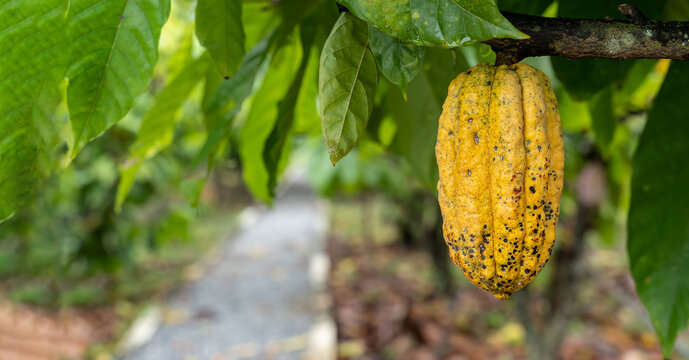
x=501 y=160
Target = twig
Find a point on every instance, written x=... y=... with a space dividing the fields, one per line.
x=636 y=38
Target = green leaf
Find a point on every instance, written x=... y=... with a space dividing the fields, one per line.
x=346 y=85
x=32 y=66
x=603 y=118
x=275 y=144
x=446 y=23
x=158 y=126
x=262 y=117
x=399 y=62
x=219 y=29
x=417 y=119
x=114 y=47
x=531 y=7
x=659 y=214
x=226 y=100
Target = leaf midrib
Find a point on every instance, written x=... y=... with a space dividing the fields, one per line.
x=101 y=84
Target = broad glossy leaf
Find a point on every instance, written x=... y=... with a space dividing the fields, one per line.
x=32 y=64
x=445 y=23
x=158 y=125
x=219 y=29
x=114 y=47
x=346 y=85
x=262 y=117
x=658 y=225
x=417 y=119
x=398 y=61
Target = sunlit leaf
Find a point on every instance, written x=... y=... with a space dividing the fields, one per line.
x=262 y=117
x=446 y=23
x=219 y=29
x=347 y=85
x=114 y=47
x=226 y=99
x=32 y=45
x=659 y=214
x=277 y=140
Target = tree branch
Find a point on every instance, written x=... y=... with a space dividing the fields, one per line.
x=636 y=38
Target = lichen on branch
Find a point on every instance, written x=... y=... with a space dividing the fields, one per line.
x=635 y=38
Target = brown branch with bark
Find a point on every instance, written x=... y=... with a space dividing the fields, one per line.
x=634 y=38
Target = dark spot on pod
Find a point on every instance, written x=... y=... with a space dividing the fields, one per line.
x=535 y=207
x=488 y=83
x=527 y=271
x=499 y=250
x=468 y=172
x=476 y=138
x=495 y=148
x=468 y=72
x=470 y=120
x=533 y=178
x=485 y=226
x=535 y=231
x=532 y=189
x=450 y=132
x=484 y=266
x=539 y=149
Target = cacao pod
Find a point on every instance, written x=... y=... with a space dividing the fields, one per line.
x=501 y=158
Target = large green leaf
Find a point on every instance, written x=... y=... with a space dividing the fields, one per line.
x=158 y=125
x=399 y=62
x=417 y=119
x=219 y=29
x=446 y=23
x=262 y=117
x=114 y=47
x=346 y=85
x=31 y=67
x=659 y=214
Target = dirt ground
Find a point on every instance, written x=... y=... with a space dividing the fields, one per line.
x=388 y=307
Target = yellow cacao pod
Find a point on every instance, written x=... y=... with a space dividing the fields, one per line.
x=501 y=159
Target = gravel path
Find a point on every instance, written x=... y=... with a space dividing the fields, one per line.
x=264 y=297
